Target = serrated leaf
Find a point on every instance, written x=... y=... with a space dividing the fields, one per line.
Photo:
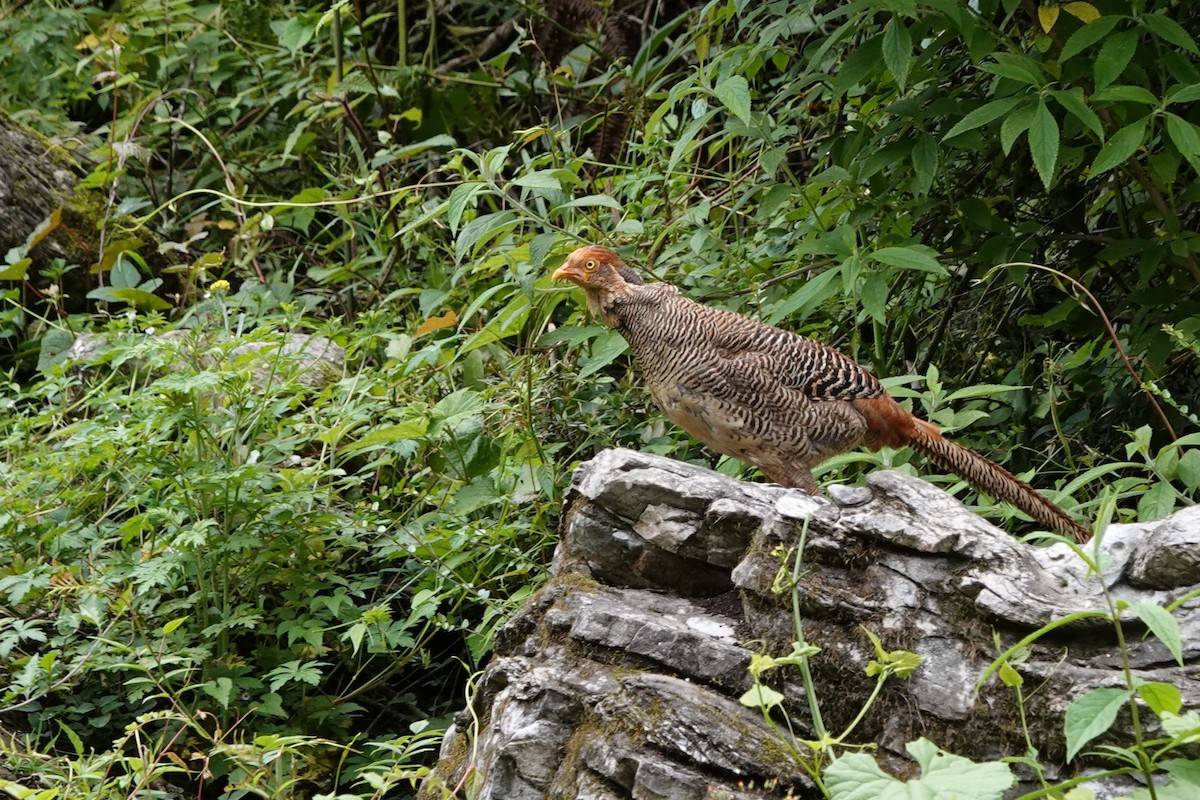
x=1162 y=624
x=1125 y=93
x=1189 y=469
x=1084 y=12
x=925 y=164
x=1014 y=125
x=457 y=204
x=1183 y=94
x=1087 y=36
x=482 y=229
x=1047 y=16
x=593 y=201
x=219 y=689
x=1090 y=715
x=1114 y=56
x=1183 y=134
x=874 y=295
x=898 y=50
x=1157 y=502
x=983 y=115
x=912 y=257
x=734 y=94
x=542 y=179
x=1043 y=143
x=1169 y=31
x=1119 y=148
x=1074 y=104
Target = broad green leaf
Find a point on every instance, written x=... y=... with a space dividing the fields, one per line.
x=481 y=230
x=1088 y=35
x=403 y=431
x=16 y=270
x=734 y=93
x=543 y=179
x=1183 y=134
x=1090 y=715
x=219 y=689
x=914 y=256
x=944 y=776
x=1183 y=94
x=1161 y=697
x=139 y=299
x=1119 y=148
x=1014 y=125
x=811 y=294
x=606 y=348
x=457 y=204
x=925 y=164
x=593 y=201
x=1077 y=107
x=1162 y=624
x=981 y=390
x=1043 y=143
x=1114 y=56
x=172 y=625
x=874 y=295
x=1184 y=769
x=1125 y=93
x=1157 y=502
x=983 y=115
x=1020 y=68
x=760 y=696
x=1189 y=469
x=1169 y=31
x=898 y=50
x=1185 y=726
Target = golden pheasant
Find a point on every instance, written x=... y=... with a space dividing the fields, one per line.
x=779 y=401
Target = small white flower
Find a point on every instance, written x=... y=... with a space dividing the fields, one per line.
x=254 y=456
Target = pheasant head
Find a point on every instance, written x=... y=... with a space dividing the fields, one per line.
x=602 y=275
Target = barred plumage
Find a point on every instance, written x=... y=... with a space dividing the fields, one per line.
x=779 y=401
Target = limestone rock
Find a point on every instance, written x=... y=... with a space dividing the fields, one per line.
x=621 y=678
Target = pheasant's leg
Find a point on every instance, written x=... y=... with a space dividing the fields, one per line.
x=793 y=476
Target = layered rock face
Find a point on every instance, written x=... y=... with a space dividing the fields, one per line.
x=621 y=678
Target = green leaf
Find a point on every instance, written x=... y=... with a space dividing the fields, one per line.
x=925 y=164
x=1157 y=502
x=1088 y=35
x=172 y=625
x=734 y=93
x=1014 y=125
x=1072 y=101
x=1183 y=94
x=1169 y=31
x=542 y=179
x=983 y=115
x=1114 y=57
x=874 y=295
x=605 y=349
x=944 y=776
x=914 y=256
x=1043 y=143
x=219 y=689
x=898 y=50
x=1126 y=94
x=1161 y=697
x=1090 y=715
x=482 y=229
x=1162 y=624
x=1020 y=68
x=1183 y=134
x=1189 y=469
x=759 y=696
x=138 y=298
x=1119 y=148
x=593 y=201
x=457 y=204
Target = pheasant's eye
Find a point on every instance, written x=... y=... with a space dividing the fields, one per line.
x=590 y=265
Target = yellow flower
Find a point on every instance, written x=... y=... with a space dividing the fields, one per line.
x=219 y=286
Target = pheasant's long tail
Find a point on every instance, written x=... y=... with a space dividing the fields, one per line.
x=992 y=479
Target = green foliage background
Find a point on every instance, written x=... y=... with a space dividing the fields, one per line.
x=218 y=581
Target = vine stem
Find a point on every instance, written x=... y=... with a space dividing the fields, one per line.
x=1112 y=334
